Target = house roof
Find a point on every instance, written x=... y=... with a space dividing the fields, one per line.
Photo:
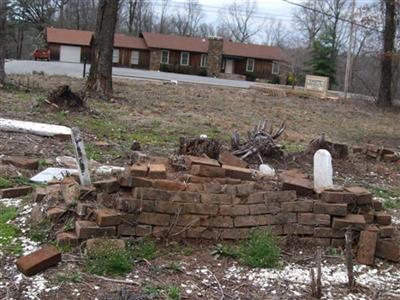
x=125 y=41
x=164 y=41
x=175 y=42
x=253 y=51
x=69 y=36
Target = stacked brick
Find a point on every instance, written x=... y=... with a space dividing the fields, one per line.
x=223 y=202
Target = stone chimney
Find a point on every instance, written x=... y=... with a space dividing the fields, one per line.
x=215 y=45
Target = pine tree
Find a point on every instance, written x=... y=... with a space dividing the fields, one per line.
x=322 y=62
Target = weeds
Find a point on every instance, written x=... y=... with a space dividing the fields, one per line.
x=5 y=183
x=40 y=232
x=9 y=232
x=108 y=260
x=173 y=292
x=260 y=250
x=391 y=198
x=168 y=292
x=144 y=250
x=72 y=277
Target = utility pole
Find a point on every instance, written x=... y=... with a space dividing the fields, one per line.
x=349 y=60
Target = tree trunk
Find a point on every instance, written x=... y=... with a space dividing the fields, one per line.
x=385 y=87
x=100 y=74
x=3 y=14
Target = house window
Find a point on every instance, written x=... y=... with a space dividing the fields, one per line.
x=250 y=65
x=184 y=58
x=164 y=56
x=115 y=58
x=203 y=61
x=275 y=68
x=135 y=58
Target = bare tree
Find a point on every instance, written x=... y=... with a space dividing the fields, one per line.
x=187 y=20
x=100 y=75
x=385 y=88
x=80 y=14
x=131 y=9
x=39 y=13
x=308 y=21
x=163 y=22
x=3 y=14
x=238 y=21
x=276 y=33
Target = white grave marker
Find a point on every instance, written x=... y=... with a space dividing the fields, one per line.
x=323 y=171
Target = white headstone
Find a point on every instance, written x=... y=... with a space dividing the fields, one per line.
x=323 y=171
x=267 y=170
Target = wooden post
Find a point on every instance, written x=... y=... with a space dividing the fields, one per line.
x=81 y=158
x=316 y=283
x=349 y=258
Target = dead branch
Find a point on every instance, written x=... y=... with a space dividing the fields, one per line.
x=349 y=259
x=260 y=141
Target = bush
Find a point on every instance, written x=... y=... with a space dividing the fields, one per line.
x=250 y=76
x=260 y=250
x=144 y=250
x=165 y=68
x=202 y=72
x=275 y=79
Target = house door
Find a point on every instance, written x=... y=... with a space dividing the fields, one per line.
x=229 y=66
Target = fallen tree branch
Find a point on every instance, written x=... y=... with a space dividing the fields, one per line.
x=116 y=280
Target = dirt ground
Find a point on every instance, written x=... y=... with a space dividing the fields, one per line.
x=156 y=115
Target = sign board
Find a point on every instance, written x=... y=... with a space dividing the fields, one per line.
x=317 y=84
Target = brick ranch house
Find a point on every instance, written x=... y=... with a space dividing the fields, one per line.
x=160 y=52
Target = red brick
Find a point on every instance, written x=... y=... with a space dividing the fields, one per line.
x=377 y=205
x=207 y=171
x=356 y=221
x=256 y=198
x=15 y=192
x=22 y=162
x=388 y=249
x=216 y=198
x=213 y=188
x=38 y=194
x=338 y=197
x=108 y=217
x=252 y=221
x=187 y=197
x=227 y=158
x=130 y=181
x=88 y=229
x=219 y=221
x=200 y=232
x=314 y=219
x=130 y=205
x=199 y=179
x=334 y=209
x=39 y=260
x=67 y=239
x=54 y=213
x=298 y=229
x=230 y=189
x=283 y=218
x=108 y=185
x=107 y=200
x=383 y=218
x=166 y=231
x=201 y=208
x=154 y=219
x=238 y=173
x=235 y=234
x=139 y=170
x=324 y=242
x=228 y=180
x=245 y=189
x=298 y=206
x=386 y=231
x=143 y=230
x=194 y=187
x=157 y=171
x=362 y=195
x=327 y=232
x=302 y=186
x=70 y=191
x=198 y=160
x=151 y=194
x=366 y=247
x=274 y=229
x=169 y=207
x=189 y=220
x=234 y=210
x=265 y=208
x=369 y=217
x=169 y=185
x=126 y=230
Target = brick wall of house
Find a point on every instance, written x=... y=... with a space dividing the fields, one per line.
x=155 y=58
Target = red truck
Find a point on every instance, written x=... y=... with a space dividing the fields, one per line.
x=41 y=54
